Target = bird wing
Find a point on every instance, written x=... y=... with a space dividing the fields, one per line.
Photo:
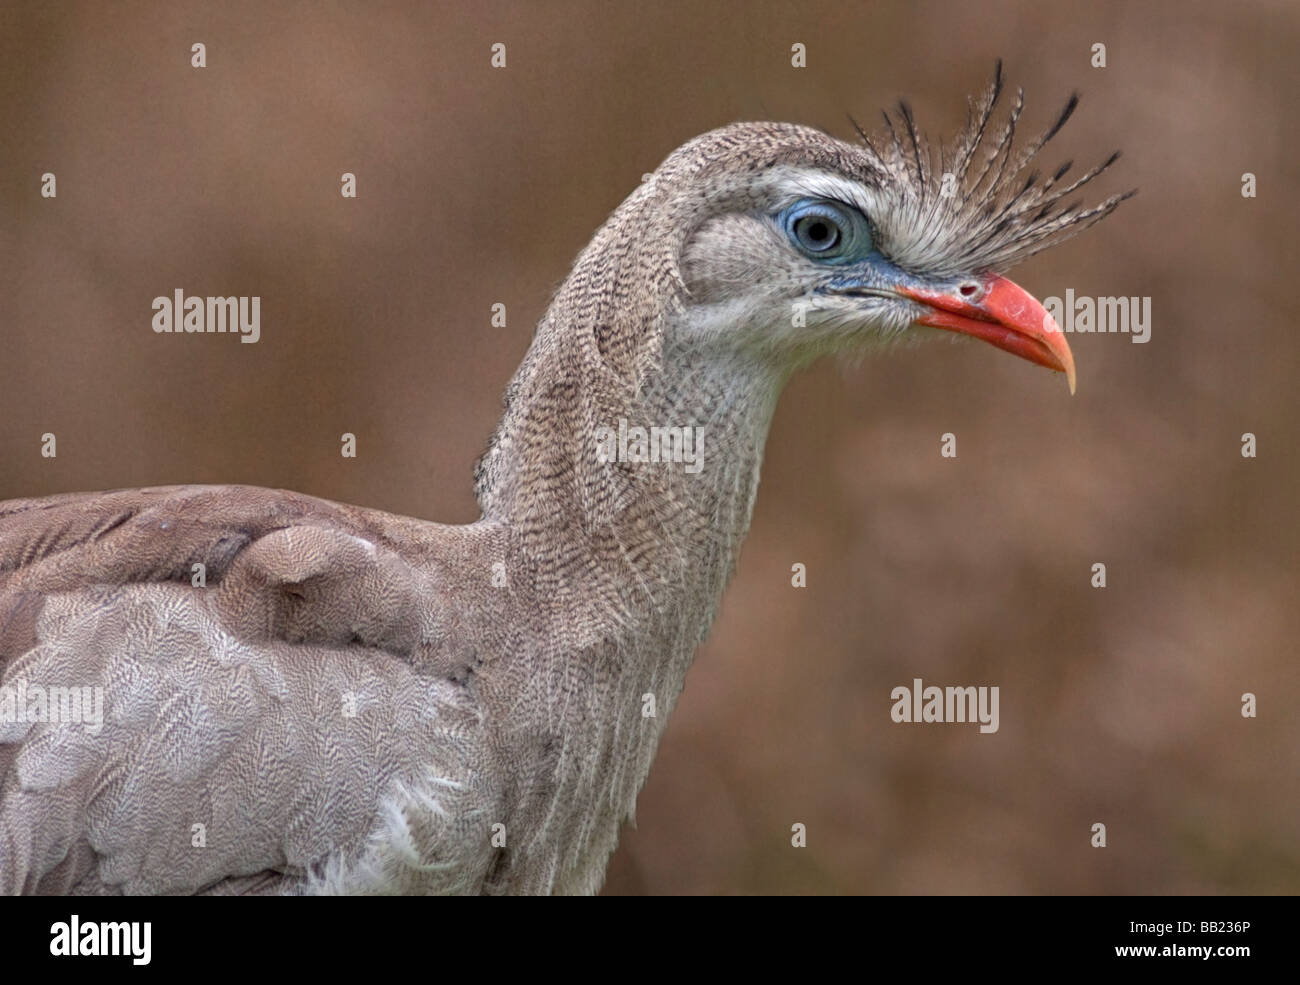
x=224 y=688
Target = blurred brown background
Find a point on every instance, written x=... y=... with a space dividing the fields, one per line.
x=477 y=185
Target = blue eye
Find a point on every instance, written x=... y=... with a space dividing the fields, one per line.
x=825 y=230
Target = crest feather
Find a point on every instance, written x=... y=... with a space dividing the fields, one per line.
x=994 y=215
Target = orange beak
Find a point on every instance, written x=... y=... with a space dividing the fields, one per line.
x=1002 y=313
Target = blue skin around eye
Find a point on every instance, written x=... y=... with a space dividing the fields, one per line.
x=858 y=264
x=855 y=231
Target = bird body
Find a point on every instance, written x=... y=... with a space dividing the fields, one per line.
x=302 y=696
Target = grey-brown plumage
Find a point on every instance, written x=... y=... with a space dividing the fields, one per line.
x=360 y=702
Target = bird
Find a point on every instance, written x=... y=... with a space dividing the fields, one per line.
x=233 y=690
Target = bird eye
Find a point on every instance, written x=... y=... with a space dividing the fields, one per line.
x=825 y=230
x=816 y=233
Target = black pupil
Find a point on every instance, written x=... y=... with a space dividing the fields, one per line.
x=820 y=234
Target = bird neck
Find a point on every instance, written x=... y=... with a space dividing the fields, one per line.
x=623 y=563
x=640 y=494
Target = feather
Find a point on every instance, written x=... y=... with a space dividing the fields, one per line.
x=998 y=217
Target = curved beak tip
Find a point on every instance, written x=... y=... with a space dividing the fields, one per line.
x=1061 y=352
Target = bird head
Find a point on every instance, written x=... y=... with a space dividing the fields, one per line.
x=806 y=244
x=757 y=247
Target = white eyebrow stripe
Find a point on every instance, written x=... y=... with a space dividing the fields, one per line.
x=807 y=182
